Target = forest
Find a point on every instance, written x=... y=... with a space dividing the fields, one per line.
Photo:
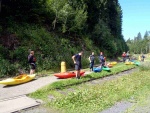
x=56 y=30
x=139 y=45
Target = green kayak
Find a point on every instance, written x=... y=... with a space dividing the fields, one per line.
x=105 y=68
x=137 y=63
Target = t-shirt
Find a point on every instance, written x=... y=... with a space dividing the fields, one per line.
x=101 y=58
x=31 y=59
x=127 y=54
x=123 y=55
x=92 y=57
x=143 y=56
x=78 y=58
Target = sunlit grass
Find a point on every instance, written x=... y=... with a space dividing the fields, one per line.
x=94 y=98
x=69 y=83
x=80 y=96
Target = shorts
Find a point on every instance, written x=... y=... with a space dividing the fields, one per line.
x=32 y=66
x=77 y=67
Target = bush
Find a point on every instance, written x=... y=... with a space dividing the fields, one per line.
x=7 y=68
x=50 y=49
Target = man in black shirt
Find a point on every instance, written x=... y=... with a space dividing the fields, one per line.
x=32 y=60
x=77 y=61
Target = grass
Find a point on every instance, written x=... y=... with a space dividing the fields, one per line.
x=95 y=98
x=142 y=103
x=142 y=96
x=92 y=98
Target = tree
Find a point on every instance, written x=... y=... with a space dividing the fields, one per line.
x=139 y=36
x=128 y=41
x=146 y=35
x=0 y=5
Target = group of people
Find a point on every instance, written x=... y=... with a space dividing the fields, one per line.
x=126 y=57
x=76 y=59
x=77 y=62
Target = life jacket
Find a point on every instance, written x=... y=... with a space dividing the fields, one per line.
x=123 y=55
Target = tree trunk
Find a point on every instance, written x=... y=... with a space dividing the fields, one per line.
x=0 y=5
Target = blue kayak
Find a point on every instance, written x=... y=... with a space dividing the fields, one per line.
x=97 y=69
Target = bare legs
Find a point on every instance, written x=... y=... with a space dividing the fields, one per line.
x=32 y=71
x=78 y=74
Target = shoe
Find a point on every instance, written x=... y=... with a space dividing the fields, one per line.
x=78 y=77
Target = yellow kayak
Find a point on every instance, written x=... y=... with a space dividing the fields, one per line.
x=18 y=80
x=129 y=63
x=113 y=63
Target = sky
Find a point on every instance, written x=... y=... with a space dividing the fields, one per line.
x=136 y=17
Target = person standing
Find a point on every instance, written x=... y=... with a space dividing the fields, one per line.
x=128 y=56
x=101 y=59
x=142 y=57
x=124 y=56
x=77 y=61
x=91 y=59
x=31 y=61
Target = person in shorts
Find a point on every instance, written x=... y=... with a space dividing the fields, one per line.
x=77 y=62
x=31 y=61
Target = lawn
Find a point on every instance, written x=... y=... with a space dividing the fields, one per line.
x=71 y=95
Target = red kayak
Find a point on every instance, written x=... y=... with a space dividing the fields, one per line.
x=68 y=74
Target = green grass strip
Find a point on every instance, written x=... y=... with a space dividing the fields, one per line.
x=42 y=93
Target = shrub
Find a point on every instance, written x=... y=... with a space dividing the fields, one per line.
x=7 y=68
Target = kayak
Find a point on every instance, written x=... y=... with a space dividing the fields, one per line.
x=68 y=74
x=97 y=69
x=137 y=63
x=129 y=63
x=105 y=68
x=18 y=80
x=113 y=63
x=109 y=65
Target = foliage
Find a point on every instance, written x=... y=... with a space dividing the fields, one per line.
x=139 y=45
x=7 y=69
x=40 y=25
x=50 y=49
